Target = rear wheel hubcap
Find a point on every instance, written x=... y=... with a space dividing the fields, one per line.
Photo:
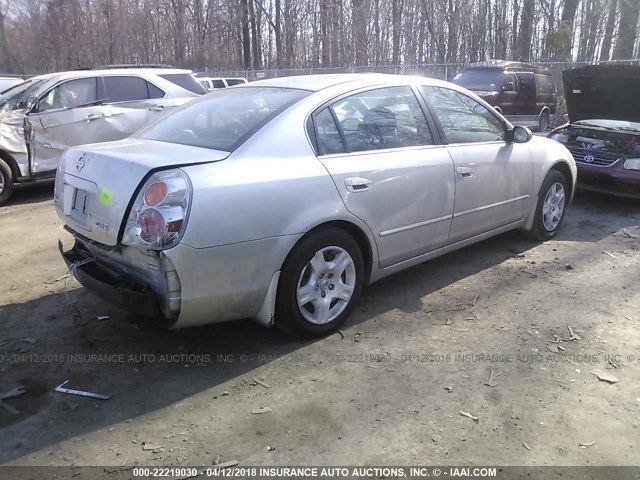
x=326 y=285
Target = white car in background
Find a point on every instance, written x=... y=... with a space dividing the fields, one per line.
x=211 y=83
x=8 y=81
x=66 y=109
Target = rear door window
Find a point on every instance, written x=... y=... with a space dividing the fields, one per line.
x=234 y=81
x=186 y=81
x=327 y=133
x=545 y=85
x=382 y=118
x=129 y=88
x=218 y=83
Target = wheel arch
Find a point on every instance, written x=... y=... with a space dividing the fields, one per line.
x=564 y=169
x=13 y=165
x=352 y=229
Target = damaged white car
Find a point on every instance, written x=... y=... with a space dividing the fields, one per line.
x=66 y=109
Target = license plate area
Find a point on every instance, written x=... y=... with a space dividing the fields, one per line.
x=80 y=208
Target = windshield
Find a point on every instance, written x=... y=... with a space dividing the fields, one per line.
x=186 y=81
x=17 y=97
x=224 y=119
x=486 y=80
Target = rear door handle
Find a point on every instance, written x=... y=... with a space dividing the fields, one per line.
x=357 y=184
x=156 y=108
x=93 y=116
x=466 y=172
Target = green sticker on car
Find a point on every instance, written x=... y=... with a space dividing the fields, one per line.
x=105 y=196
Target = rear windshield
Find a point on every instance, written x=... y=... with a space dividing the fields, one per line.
x=223 y=120
x=185 y=81
x=487 y=80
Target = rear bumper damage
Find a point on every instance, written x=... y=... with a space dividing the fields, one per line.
x=118 y=284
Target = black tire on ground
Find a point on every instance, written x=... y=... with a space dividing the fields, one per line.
x=6 y=182
x=295 y=271
x=556 y=208
x=543 y=122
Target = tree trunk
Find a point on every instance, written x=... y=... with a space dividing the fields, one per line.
x=526 y=30
x=325 y=46
x=254 y=36
x=278 y=34
x=396 y=18
x=567 y=21
x=627 y=30
x=6 y=65
x=359 y=33
x=608 y=31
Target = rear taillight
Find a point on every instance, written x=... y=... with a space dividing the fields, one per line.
x=158 y=216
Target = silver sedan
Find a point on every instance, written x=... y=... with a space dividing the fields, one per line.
x=281 y=199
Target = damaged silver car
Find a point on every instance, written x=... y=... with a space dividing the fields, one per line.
x=61 y=110
x=281 y=199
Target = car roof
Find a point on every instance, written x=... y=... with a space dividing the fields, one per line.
x=118 y=71
x=316 y=83
x=506 y=65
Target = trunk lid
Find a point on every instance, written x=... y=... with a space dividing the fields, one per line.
x=609 y=92
x=95 y=184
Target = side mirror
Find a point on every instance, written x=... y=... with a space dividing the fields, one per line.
x=520 y=134
x=508 y=87
x=31 y=104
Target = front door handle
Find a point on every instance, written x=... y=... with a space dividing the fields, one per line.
x=93 y=116
x=156 y=108
x=357 y=184
x=466 y=172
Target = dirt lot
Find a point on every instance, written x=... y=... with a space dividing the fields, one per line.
x=418 y=351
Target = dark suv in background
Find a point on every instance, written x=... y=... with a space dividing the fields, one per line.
x=523 y=93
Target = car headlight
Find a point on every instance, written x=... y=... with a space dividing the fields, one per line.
x=158 y=216
x=631 y=164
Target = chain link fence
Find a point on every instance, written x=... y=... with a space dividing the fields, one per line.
x=442 y=71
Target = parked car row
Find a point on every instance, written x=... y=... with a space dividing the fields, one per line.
x=46 y=114
x=281 y=199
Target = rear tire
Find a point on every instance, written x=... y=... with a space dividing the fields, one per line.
x=6 y=182
x=543 y=121
x=552 y=203
x=321 y=281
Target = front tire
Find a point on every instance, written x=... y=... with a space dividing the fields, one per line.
x=321 y=280
x=6 y=182
x=552 y=202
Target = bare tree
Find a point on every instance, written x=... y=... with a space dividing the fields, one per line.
x=627 y=30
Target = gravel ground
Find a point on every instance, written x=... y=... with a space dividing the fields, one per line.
x=391 y=388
